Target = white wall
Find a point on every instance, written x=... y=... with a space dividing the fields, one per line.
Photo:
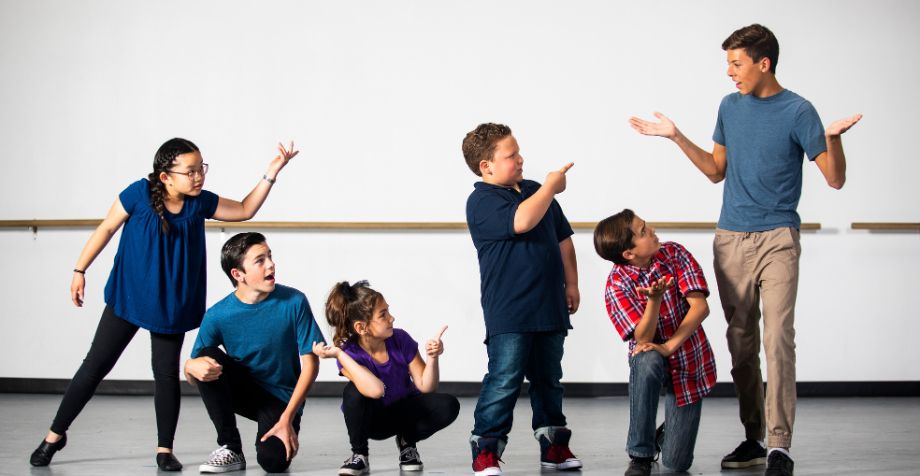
x=378 y=96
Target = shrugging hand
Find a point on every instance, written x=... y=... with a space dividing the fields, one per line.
x=657 y=288
x=434 y=347
x=842 y=125
x=665 y=128
x=284 y=156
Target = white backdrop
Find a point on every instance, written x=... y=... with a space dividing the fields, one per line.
x=378 y=96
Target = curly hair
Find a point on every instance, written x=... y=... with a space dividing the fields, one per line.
x=479 y=144
x=162 y=161
x=757 y=41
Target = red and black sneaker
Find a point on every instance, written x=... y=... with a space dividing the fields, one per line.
x=554 y=449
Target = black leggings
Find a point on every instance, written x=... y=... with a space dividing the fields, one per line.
x=413 y=418
x=236 y=392
x=112 y=336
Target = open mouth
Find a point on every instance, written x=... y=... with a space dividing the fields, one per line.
x=270 y=277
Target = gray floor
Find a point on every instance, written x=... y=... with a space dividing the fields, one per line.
x=116 y=435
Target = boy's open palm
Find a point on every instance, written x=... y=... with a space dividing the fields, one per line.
x=657 y=288
x=665 y=128
x=842 y=125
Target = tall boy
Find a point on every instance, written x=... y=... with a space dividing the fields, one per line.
x=656 y=298
x=761 y=134
x=529 y=287
x=268 y=332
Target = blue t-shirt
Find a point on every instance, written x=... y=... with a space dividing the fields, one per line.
x=522 y=275
x=397 y=381
x=764 y=141
x=268 y=337
x=158 y=280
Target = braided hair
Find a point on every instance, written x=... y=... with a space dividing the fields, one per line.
x=162 y=161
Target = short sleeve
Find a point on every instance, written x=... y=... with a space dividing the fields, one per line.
x=308 y=331
x=408 y=347
x=132 y=195
x=492 y=215
x=208 y=336
x=690 y=276
x=563 y=228
x=808 y=131
x=624 y=306
x=718 y=135
x=208 y=204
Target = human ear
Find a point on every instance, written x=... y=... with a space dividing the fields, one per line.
x=484 y=167
x=237 y=275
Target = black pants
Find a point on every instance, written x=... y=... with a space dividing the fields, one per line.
x=412 y=418
x=236 y=392
x=112 y=336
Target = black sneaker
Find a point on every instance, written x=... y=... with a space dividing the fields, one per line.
x=778 y=464
x=639 y=467
x=355 y=466
x=409 y=460
x=223 y=460
x=748 y=453
x=168 y=462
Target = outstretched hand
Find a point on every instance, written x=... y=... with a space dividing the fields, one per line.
x=285 y=154
x=324 y=351
x=556 y=178
x=657 y=288
x=434 y=347
x=840 y=126
x=664 y=128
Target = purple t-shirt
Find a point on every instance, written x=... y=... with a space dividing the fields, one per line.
x=394 y=374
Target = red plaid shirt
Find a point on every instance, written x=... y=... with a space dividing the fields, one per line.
x=693 y=367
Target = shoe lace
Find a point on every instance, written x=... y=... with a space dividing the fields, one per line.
x=222 y=455
x=355 y=459
x=409 y=453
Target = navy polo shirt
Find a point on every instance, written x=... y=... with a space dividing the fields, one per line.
x=522 y=277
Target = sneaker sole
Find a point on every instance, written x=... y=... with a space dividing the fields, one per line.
x=568 y=465
x=744 y=464
x=411 y=467
x=206 y=468
x=353 y=472
x=488 y=472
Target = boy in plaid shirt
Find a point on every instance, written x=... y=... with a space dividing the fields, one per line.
x=656 y=298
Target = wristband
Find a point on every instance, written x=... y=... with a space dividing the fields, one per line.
x=81 y=271
x=269 y=180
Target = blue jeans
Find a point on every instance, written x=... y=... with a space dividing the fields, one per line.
x=648 y=373
x=513 y=356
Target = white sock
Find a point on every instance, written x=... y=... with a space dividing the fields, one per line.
x=762 y=444
x=784 y=451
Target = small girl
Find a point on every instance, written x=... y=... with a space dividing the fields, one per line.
x=391 y=390
x=157 y=282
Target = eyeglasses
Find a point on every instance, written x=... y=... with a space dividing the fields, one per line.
x=199 y=172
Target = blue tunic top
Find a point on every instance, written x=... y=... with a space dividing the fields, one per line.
x=765 y=139
x=267 y=338
x=159 y=280
x=523 y=280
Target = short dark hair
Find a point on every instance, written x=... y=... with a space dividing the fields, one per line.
x=479 y=144
x=757 y=41
x=234 y=250
x=613 y=235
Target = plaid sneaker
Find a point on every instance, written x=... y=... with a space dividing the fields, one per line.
x=355 y=466
x=409 y=460
x=486 y=461
x=554 y=448
x=223 y=460
x=748 y=453
x=778 y=464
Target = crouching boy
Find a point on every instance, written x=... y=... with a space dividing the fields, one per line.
x=656 y=298
x=267 y=331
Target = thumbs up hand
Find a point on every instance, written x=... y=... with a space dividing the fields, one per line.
x=434 y=347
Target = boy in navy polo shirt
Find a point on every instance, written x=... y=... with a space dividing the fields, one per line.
x=656 y=298
x=267 y=366
x=529 y=287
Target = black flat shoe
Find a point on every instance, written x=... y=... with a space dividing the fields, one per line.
x=45 y=451
x=168 y=462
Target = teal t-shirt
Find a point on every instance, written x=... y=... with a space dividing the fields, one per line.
x=765 y=140
x=267 y=337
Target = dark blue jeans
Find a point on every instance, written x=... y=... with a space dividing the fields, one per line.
x=536 y=356
x=648 y=374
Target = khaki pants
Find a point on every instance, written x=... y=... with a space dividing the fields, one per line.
x=750 y=268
